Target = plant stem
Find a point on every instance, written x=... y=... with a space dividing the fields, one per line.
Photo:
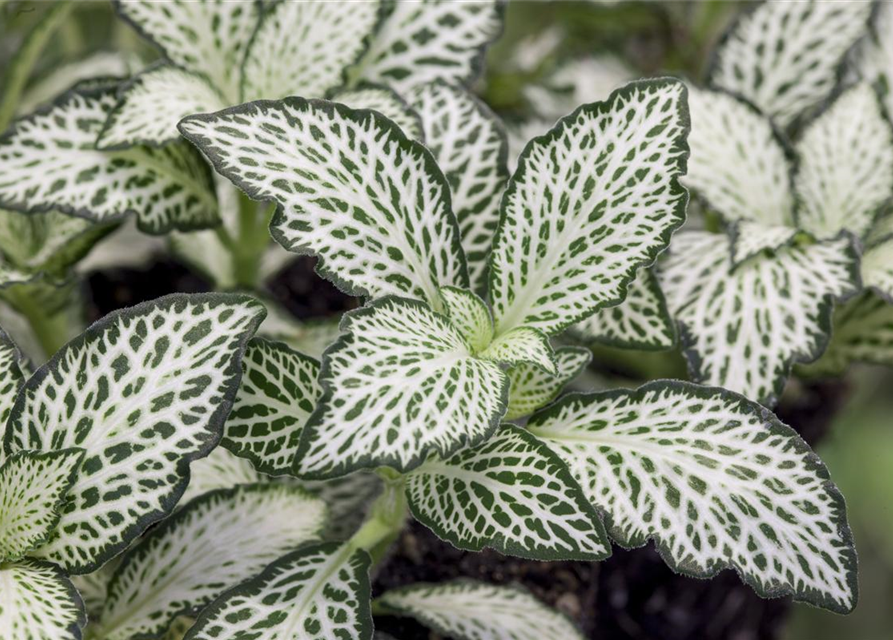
x=386 y=519
x=248 y=248
x=50 y=328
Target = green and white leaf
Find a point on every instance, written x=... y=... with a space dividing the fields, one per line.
x=304 y=48
x=641 y=321
x=319 y=592
x=279 y=391
x=209 y=38
x=310 y=337
x=522 y=345
x=532 y=388
x=468 y=610
x=877 y=268
x=351 y=189
x=863 y=333
x=470 y=315
x=419 y=42
x=784 y=57
x=748 y=239
x=873 y=59
x=738 y=163
x=470 y=146
x=510 y=494
x=845 y=175
x=591 y=202
x=166 y=188
x=348 y=499
x=33 y=486
x=387 y=103
x=715 y=480
x=93 y=587
x=151 y=105
x=743 y=328
x=13 y=374
x=219 y=470
x=143 y=391
x=218 y=541
x=39 y=602
x=399 y=384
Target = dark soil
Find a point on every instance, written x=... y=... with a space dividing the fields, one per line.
x=632 y=595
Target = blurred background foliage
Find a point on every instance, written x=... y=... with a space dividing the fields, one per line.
x=552 y=56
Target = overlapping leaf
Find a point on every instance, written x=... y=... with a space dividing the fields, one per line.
x=420 y=42
x=468 y=610
x=863 y=332
x=351 y=188
x=320 y=592
x=715 y=480
x=219 y=470
x=743 y=328
x=348 y=500
x=511 y=494
x=12 y=377
x=590 y=203
x=39 y=602
x=873 y=61
x=845 y=175
x=470 y=146
x=532 y=387
x=166 y=188
x=400 y=383
x=93 y=587
x=641 y=321
x=218 y=541
x=311 y=337
x=748 y=239
x=877 y=268
x=521 y=345
x=387 y=103
x=143 y=391
x=784 y=56
x=279 y=392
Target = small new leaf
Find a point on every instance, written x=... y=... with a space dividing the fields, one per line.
x=522 y=345
x=470 y=315
x=532 y=388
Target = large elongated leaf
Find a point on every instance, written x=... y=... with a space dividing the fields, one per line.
x=279 y=392
x=532 y=387
x=399 y=384
x=351 y=188
x=591 y=202
x=470 y=146
x=845 y=174
x=182 y=566
x=468 y=610
x=511 y=494
x=641 y=321
x=784 y=56
x=143 y=391
x=743 y=328
x=424 y=41
x=39 y=602
x=716 y=480
x=32 y=487
x=210 y=38
x=151 y=105
x=320 y=592
x=303 y=48
x=166 y=188
x=738 y=163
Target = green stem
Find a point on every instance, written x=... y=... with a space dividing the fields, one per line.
x=50 y=329
x=386 y=519
x=253 y=239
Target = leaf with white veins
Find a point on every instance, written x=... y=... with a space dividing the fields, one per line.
x=863 y=332
x=39 y=603
x=592 y=201
x=385 y=102
x=220 y=469
x=522 y=345
x=716 y=480
x=143 y=391
x=877 y=268
x=532 y=388
x=351 y=188
x=747 y=239
x=12 y=377
x=470 y=315
x=181 y=566
x=511 y=494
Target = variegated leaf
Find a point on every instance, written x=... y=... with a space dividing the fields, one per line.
x=33 y=486
x=181 y=566
x=310 y=337
x=151 y=105
x=387 y=103
x=467 y=610
x=209 y=38
x=743 y=328
x=641 y=321
x=863 y=332
x=877 y=268
x=470 y=146
x=219 y=470
x=873 y=59
x=39 y=603
x=738 y=163
x=591 y=202
x=511 y=494
x=784 y=56
x=279 y=392
x=532 y=388
x=319 y=592
x=470 y=315
x=12 y=377
x=348 y=499
x=748 y=239
x=399 y=384
x=522 y=345
x=166 y=188
x=716 y=480
x=93 y=587
x=144 y=391
x=303 y=48
x=420 y=42
x=845 y=175
x=351 y=189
